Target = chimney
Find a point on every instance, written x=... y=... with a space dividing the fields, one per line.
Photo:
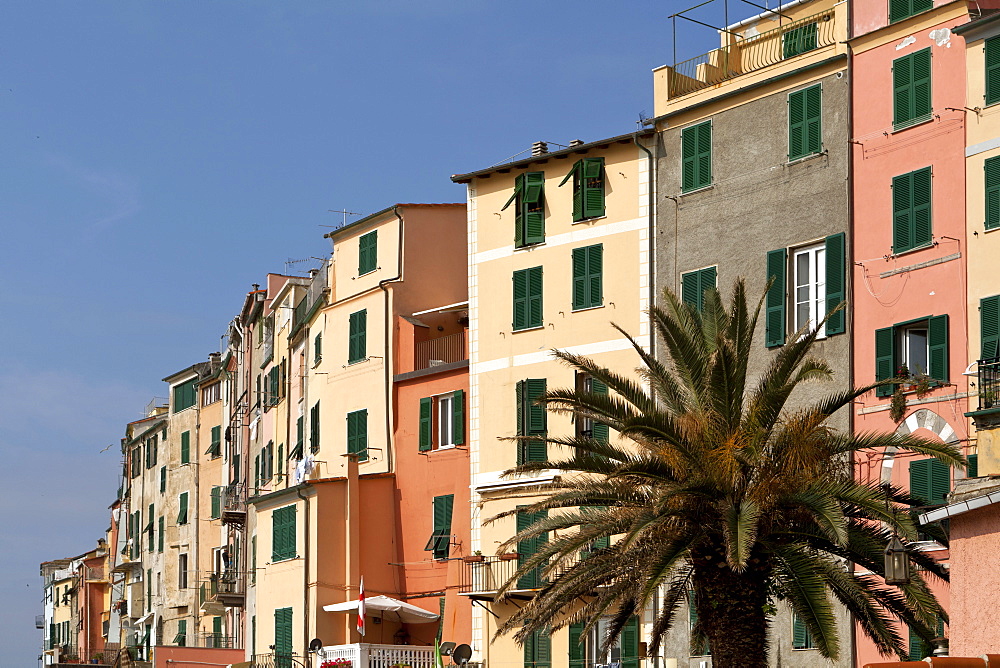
x=539 y=148
x=575 y=143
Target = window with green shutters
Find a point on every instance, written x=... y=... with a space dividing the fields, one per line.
x=911 y=89
x=216 y=632
x=815 y=286
x=930 y=480
x=182 y=504
x=253 y=559
x=300 y=435
x=318 y=348
x=442 y=421
x=989 y=328
x=283 y=638
x=185 y=447
x=185 y=395
x=426 y=429
x=588 y=188
x=532 y=421
x=528 y=547
x=585 y=427
x=921 y=346
x=903 y=9
x=357 y=347
x=588 y=276
x=801 y=637
x=283 y=534
x=273 y=386
x=774 y=303
x=529 y=208
x=368 y=253
x=538 y=650
x=991 y=178
x=181 y=638
x=799 y=40
x=585 y=648
x=920 y=648
x=163 y=479
x=313 y=428
x=215 y=447
x=836 y=282
x=151 y=529
x=911 y=210
x=972 y=470
x=162 y=533
x=696 y=157
x=992 y=56
x=527 y=290
x=280 y=460
x=694 y=284
x=440 y=540
x=357 y=434
x=805 y=127
x=216 y=502
x=135 y=461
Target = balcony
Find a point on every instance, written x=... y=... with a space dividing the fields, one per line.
x=989 y=383
x=370 y=655
x=748 y=54
x=482 y=579
x=312 y=300
x=234 y=504
x=279 y=661
x=39 y=621
x=228 y=589
x=442 y=350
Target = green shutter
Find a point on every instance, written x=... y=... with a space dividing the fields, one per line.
x=458 y=417
x=152 y=529
x=300 y=435
x=800 y=634
x=529 y=547
x=182 y=515
x=283 y=533
x=185 y=447
x=885 y=363
x=578 y=185
x=367 y=253
x=283 y=637
x=215 y=449
x=916 y=646
x=836 y=282
x=577 y=651
x=805 y=136
x=694 y=284
x=991 y=168
x=937 y=347
x=972 y=470
x=537 y=423
x=357 y=434
x=318 y=348
x=314 y=428
x=162 y=526
x=696 y=157
x=216 y=502
x=992 y=57
x=256 y=472
x=533 y=202
x=630 y=643
x=425 y=432
x=903 y=9
x=930 y=480
x=184 y=395
x=911 y=83
x=588 y=270
x=443 y=506
x=253 y=559
x=989 y=327
x=940 y=481
x=600 y=431
x=774 y=310
x=181 y=637
x=911 y=210
x=592 y=176
x=799 y=40
x=357 y=349
x=520 y=303
x=519 y=210
x=163 y=479
x=527 y=303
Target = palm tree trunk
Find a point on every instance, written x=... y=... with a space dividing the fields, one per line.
x=731 y=607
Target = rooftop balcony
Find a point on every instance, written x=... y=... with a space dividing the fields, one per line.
x=748 y=53
x=989 y=383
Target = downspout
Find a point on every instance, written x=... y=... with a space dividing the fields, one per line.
x=848 y=315
x=197 y=503
x=305 y=576
x=388 y=354
x=651 y=237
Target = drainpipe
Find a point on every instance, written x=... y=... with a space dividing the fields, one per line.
x=848 y=315
x=388 y=354
x=651 y=237
x=305 y=575
x=352 y=534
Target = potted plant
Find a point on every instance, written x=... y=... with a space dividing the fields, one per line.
x=508 y=556
x=474 y=558
x=987 y=397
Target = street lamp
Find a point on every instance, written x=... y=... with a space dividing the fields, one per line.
x=897 y=563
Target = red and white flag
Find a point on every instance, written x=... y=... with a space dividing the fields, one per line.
x=361 y=608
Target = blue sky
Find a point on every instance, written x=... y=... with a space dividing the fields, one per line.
x=159 y=157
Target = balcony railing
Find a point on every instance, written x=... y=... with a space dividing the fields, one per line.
x=442 y=350
x=487 y=576
x=370 y=655
x=98 y=657
x=234 y=504
x=744 y=55
x=989 y=383
x=278 y=661
x=228 y=588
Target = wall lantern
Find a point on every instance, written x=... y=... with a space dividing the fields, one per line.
x=897 y=563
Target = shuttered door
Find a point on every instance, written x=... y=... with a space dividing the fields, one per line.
x=283 y=638
x=443 y=506
x=774 y=307
x=992 y=56
x=577 y=650
x=991 y=176
x=630 y=643
x=836 y=282
x=989 y=327
x=425 y=442
x=937 y=347
x=527 y=548
x=356 y=342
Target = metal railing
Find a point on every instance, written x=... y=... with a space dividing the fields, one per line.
x=234 y=502
x=215 y=641
x=228 y=588
x=444 y=349
x=989 y=383
x=744 y=55
x=99 y=657
x=371 y=655
x=487 y=575
x=279 y=661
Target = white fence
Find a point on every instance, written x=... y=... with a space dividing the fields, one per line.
x=370 y=655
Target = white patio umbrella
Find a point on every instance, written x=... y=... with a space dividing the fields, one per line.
x=378 y=606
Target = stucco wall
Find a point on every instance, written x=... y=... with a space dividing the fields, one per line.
x=975 y=561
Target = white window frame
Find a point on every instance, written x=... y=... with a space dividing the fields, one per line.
x=593 y=642
x=902 y=343
x=442 y=425
x=814 y=285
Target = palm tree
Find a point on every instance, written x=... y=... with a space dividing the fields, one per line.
x=717 y=486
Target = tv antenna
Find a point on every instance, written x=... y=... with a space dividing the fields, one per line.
x=343 y=211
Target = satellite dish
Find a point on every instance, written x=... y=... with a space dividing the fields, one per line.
x=447 y=648
x=315 y=645
x=461 y=654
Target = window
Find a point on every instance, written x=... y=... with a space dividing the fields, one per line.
x=989 y=328
x=992 y=55
x=588 y=188
x=912 y=348
x=585 y=427
x=442 y=421
x=930 y=480
x=283 y=638
x=185 y=447
x=538 y=650
x=357 y=349
x=283 y=534
x=818 y=279
x=182 y=571
x=272 y=391
x=529 y=209
x=368 y=253
x=300 y=431
x=801 y=636
x=211 y=393
x=357 y=434
x=281 y=460
x=991 y=169
x=805 y=128
x=318 y=348
x=184 y=395
x=440 y=541
x=799 y=40
x=216 y=502
x=136 y=461
x=694 y=284
x=902 y=9
x=151 y=529
x=585 y=650
x=528 y=547
x=527 y=298
x=588 y=277
x=531 y=421
x=181 y=638
x=911 y=89
x=696 y=157
x=215 y=448
x=267 y=462
x=182 y=514
x=911 y=210
x=313 y=429
x=163 y=529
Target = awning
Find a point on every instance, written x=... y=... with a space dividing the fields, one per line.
x=142 y=620
x=378 y=606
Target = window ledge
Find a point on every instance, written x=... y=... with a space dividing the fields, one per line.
x=353 y=362
x=589 y=220
x=806 y=158
x=317 y=363
x=913 y=122
x=528 y=247
x=986 y=230
x=912 y=250
x=366 y=273
x=685 y=193
x=587 y=308
x=528 y=329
